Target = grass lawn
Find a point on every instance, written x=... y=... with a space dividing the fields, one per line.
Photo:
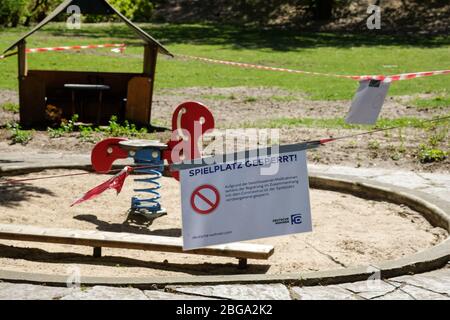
x=438 y=102
x=321 y=52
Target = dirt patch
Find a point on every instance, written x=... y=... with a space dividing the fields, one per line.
x=348 y=231
x=8 y=96
x=238 y=106
x=246 y=107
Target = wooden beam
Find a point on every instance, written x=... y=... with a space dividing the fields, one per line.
x=242 y=264
x=138 y=100
x=152 y=82
x=150 y=60
x=147 y=59
x=98 y=239
x=25 y=116
x=97 y=252
x=22 y=55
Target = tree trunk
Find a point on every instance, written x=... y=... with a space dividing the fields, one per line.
x=323 y=9
x=15 y=20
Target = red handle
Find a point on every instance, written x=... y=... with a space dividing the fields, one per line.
x=105 y=153
x=190 y=121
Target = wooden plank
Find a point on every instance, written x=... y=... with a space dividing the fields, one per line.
x=22 y=57
x=139 y=100
x=32 y=100
x=152 y=83
x=129 y=241
x=25 y=118
x=39 y=84
x=147 y=68
x=150 y=59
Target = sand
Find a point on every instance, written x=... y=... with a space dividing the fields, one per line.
x=348 y=231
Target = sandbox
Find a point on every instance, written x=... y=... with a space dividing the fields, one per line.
x=348 y=231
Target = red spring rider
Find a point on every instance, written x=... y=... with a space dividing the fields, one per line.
x=189 y=122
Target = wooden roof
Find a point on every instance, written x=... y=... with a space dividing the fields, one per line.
x=101 y=7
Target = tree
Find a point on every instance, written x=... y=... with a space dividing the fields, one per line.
x=136 y=10
x=39 y=9
x=322 y=9
x=13 y=12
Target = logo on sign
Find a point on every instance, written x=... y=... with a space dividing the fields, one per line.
x=296 y=219
x=205 y=199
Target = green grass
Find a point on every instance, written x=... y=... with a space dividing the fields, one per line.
x=322 y=52
x=427 y=154
x=250 y=99
x=19 y=136
x=339 y=123
x=11 y=107
x=439 y=102
x=247 y=99
x=114 y=129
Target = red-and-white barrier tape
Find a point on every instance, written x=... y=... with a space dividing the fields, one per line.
x=120 y=46
x=404 y=76
x=94 y=46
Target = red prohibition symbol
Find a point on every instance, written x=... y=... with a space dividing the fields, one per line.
x=205 y=199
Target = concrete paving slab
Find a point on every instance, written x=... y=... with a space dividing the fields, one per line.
x=395 y=295
x=161 y=295
x=12 y=291
x=443 y=193
x=332 y=292
x=423 y=294
x=105 y=293
x=343 y=170
x=238 y=292
x=370 y=289
x=436 y=179
x=405 y=179
x=436 y=281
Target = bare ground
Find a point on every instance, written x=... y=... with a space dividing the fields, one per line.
x=347 y=231
x=245 y=107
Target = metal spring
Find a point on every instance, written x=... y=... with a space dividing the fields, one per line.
x=148 y=204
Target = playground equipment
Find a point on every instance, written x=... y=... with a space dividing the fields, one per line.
x=103 y=239
x=147 y=153
x=150 y=156
x=95 y=96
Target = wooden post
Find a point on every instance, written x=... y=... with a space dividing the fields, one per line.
x=22 y=73
x=97 y=252
x=147 y=60
x=150 y=58
x=242 y=263
x=22 y=54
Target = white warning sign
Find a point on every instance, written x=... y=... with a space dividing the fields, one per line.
x=237 y=201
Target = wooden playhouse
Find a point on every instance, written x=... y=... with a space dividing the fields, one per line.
x=94 y=96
